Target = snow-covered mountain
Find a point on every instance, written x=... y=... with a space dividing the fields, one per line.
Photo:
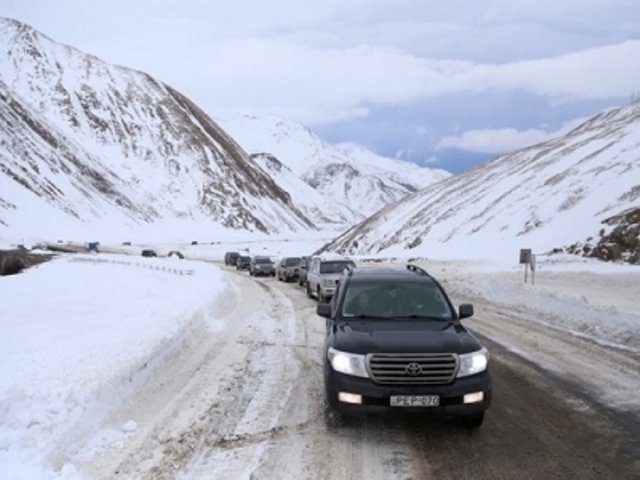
x=578 y=193
x=325 y=213
x=350 y=177
x=93 y=145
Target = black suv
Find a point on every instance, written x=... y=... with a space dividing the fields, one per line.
x=230 y=258
x=394 y=342
x=243 y=262
x=261 y=265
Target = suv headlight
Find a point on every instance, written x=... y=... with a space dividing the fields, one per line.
x=348 y=363
x=474 y=362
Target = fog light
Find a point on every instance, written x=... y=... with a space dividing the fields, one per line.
x=473 y=397
x=349 y=397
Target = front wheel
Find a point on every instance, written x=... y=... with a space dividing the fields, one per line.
x=332 y=417
x=472 y=422
x=309 y=294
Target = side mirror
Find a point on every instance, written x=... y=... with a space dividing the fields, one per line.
x=465 y=310
x=323 y=310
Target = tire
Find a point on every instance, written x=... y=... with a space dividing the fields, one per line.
x=332 y=417
x=472 y=422
x=309 y=294
x=318 y=295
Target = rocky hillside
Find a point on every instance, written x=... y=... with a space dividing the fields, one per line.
x=85 y=142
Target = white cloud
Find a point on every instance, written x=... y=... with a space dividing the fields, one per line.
x=502 y=140
x=321 y=62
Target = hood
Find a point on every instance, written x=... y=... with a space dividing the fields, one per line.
x=403 y=336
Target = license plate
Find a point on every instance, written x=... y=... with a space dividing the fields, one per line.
x=415 y=401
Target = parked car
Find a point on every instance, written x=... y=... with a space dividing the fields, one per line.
x=323 y=275
x=243 y=262
x=261 y=265
x=230 y=258
x=394 y=341
x=149 y=253
x=287 y=268
x=303 y=268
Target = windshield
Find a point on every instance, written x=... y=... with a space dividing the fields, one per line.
x=263 y=260
x=335 y=267
x=396 y=301
x=292 y=262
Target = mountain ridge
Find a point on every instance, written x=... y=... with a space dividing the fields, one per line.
x=548 y=196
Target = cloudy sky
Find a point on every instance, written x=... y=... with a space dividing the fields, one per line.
x=447 y=84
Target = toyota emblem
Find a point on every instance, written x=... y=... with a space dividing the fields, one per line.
x=413 y=369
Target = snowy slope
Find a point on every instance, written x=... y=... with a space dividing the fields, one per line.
x=159 y=157
x=547 y=196
x=346 y=174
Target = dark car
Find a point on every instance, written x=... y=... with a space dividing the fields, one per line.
x=303 y=268
x=230 y=258
x=149 y=253
x=287 y=268
x=261 y=266
x=243 y=262
x=394 y=342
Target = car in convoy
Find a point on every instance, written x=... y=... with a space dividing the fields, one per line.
x=147 y=252
x=261 y=265
x=323 y=274
x=243 y=262
x=230 y=258
x=303 y=268
x=394 y=342
x=287 y=268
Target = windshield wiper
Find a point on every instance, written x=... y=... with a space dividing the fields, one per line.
x=424 y=317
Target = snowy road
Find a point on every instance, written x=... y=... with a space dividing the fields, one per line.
x=245 y=401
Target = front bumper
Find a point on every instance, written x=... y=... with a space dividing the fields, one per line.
x=376 y=398
x=262 y=272
x=327 y=291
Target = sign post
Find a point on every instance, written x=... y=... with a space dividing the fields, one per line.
x=525 y=259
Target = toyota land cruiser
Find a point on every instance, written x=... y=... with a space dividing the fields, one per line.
x=394 y=342
x=323 y=274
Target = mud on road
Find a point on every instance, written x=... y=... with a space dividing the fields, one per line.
x=244 y=400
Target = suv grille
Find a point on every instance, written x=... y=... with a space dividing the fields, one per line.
x=417 y=368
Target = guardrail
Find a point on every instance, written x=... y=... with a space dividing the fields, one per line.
x=152 y=266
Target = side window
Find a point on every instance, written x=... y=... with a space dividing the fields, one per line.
x=314 y=265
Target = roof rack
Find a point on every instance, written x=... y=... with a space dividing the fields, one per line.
x=417 y=269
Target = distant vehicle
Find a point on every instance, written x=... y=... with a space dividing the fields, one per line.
x=261 y=265
x=323 y=275
x=394 y=341
x=126 y=243
x=243 y=262
x=175 y=253
x=303 y=268
x=149 y=253
x=92 y=246
x=194 y=242
x=230 y=258
x=287 y=268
